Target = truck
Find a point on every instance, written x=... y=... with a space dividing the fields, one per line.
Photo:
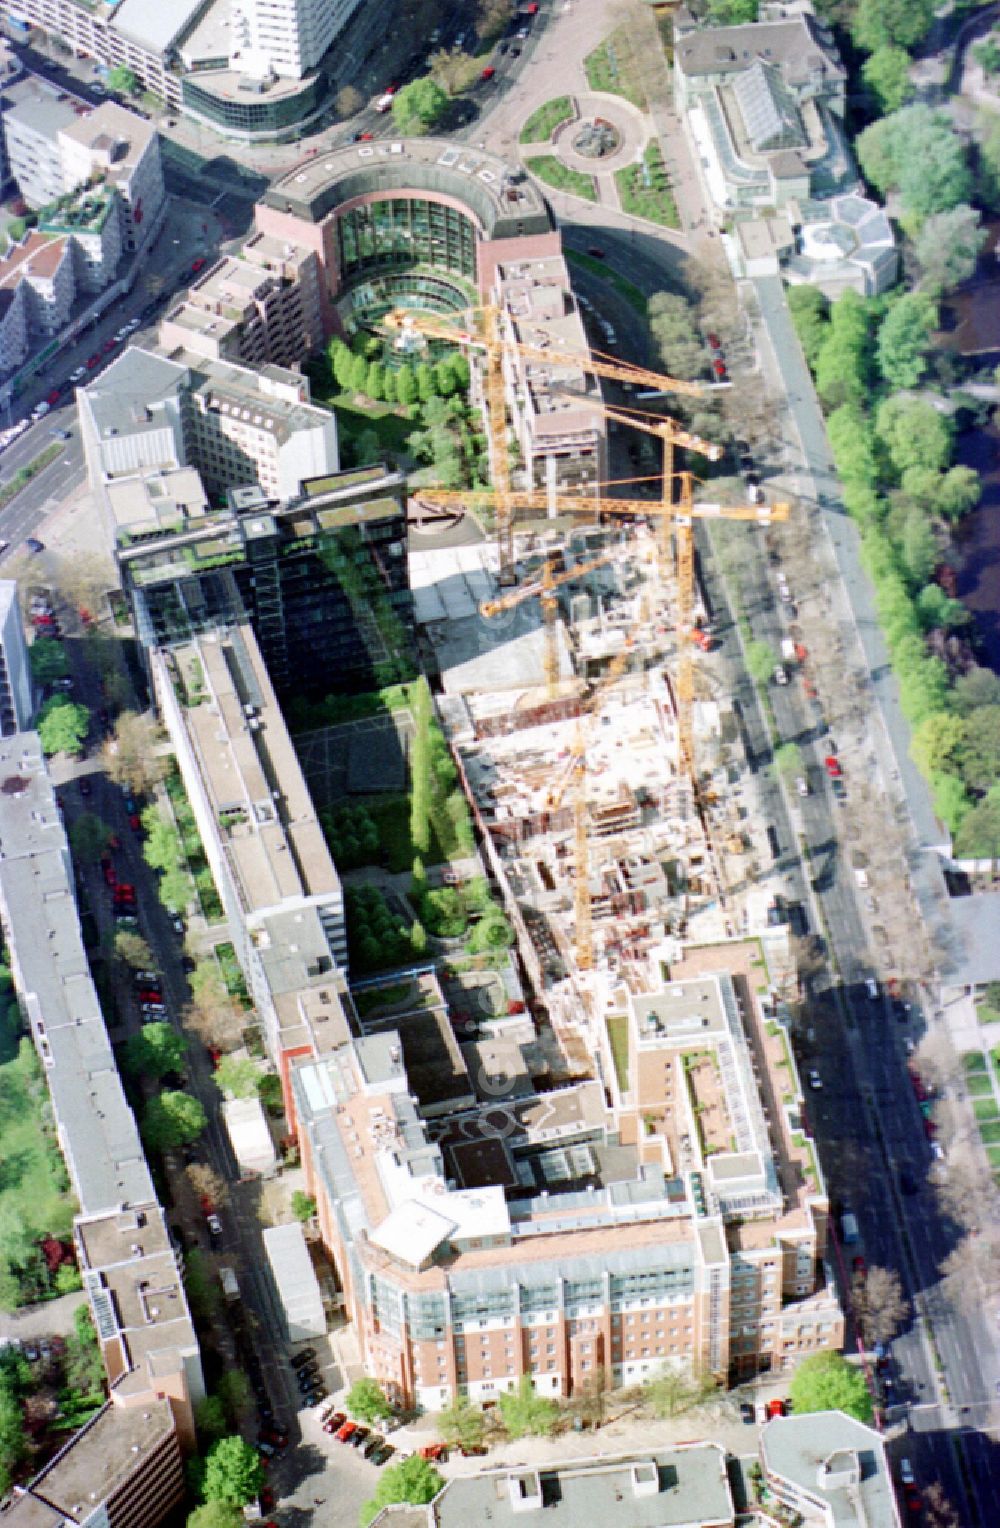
x=230 y=1287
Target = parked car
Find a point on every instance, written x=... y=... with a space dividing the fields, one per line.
x=832 y=766
x=815 y=1080
x=335 y=1420
x=434 y=1451
x=746 y=1412
x=197 y=265
x=302 y=1357
x=314 y=1397
x=359 y=1436
x=214 y=1225
x=374 y=1442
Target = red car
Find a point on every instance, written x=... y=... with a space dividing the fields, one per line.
x=134 y=823
x=215 y=1056
x=335 y=1420
x=108 y=346
x=776 y=1408
x=197 y=265
x=363 y=137
x=832 y=766
x=53 y=397
x=859 y=1265
x=93 y=361
x=488 y=72
x=343 y=1434
x=719 y=367
x=714 y=342
x=434 y=1451
x=110 y=875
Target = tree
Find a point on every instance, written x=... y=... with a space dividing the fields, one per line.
x=761 y=661
x=880 y=1304
x=233 y=1472
x=348 y=101
x=366 y=1399
x=675 y=1389
x=731 y=13
x=918 y=547
x=888 y=23
x=176 y=889
x=62 y=726
x=938 y=1510
x=13 y=1439
x=989 y=159
x=461 y=1425
x=826 y=1382
x=887 y=75
x=418 y=107
x=210 y=1419
x=122 y=80
x=133 y=950
x=303 y=1206
x=917 y=152
x=156 y=1050
x=238 y=1076
x=981 y=752
x=914 y=433
x=48 y=660
x=843 y=365
x=525 y=1412
x=978 y=837
x=958 y=491
x=673 y=323
x=88 y=838
x=172 y=1119
x=234 y=1393
x=904 y=339
x=415 y=1480
x=937 y=742
x=987 y=54
x=947 y=248
x=133 y=755
x=788 y=760
x=84 y=1365
x=810 y=310
x=406 y=386
x=979 y=687
x=207 y=1183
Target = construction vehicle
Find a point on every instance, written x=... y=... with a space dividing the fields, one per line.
x=419 y=327
x=544 y=590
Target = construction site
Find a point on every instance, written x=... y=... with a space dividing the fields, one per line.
x=578 y=688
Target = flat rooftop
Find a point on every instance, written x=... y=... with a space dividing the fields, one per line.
x=499 y=195
x=250 y=771
x=672 y=1488
x=102 y=1455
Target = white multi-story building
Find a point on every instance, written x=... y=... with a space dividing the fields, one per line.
x=285 y=37
x=38 y=283
x=124 y=150
x=15 y=672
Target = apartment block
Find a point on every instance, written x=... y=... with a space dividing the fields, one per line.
x=38 y=284
x=16 y=701
x=258 y=308
x=280 y=889
x=131 y=1278
x=122 y=1469
x=35 y=112
x=124 y=150
x=285 y=37
x=826 y=1468
x=234 y=425
x=562 y=441
x=554 y=1233
x=142 y=37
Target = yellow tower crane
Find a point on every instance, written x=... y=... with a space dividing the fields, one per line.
x=682 y=516
x=489 y=339
x=544 y=590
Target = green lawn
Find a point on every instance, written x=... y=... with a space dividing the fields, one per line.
x=974 y=1061
x=655 y=200
x=618 y=1036
x=993 y=1153
x=625 y=288
x=355 y=417
x=554 y=173
x=990 y=1131
x=979 y=1086
x=543 y=122
x=611 y=68
x=985 y=1108
x=35 y=1200
x=382 y=997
